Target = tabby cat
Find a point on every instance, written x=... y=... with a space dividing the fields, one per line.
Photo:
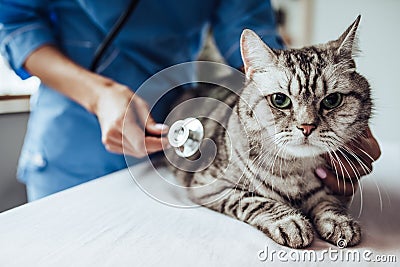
x=296 y=105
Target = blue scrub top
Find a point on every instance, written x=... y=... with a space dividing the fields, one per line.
x=63 y=144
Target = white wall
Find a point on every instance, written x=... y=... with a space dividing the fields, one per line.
x=11 y=84
x=299 y=14
x=380 y=58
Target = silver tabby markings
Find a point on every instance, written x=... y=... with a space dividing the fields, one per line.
x=296 y=105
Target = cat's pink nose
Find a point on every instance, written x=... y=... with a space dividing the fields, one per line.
x=307 y=129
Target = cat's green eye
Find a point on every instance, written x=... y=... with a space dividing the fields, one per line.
x=332 y=101
x=280 y=101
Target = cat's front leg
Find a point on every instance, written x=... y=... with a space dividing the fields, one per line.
x=281 y=222
x=332 y=220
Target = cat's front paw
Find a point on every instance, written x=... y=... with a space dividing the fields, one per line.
x=340 y=230
x=295 y=232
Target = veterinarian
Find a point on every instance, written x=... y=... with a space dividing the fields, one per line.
x=75 y=128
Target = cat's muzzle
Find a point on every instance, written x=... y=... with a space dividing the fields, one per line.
x=185 y=136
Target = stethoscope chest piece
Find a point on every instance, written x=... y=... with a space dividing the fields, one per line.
x=185 y=136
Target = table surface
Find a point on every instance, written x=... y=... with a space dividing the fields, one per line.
x=131 y=218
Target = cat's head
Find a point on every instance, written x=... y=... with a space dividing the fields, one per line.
x=318 y=100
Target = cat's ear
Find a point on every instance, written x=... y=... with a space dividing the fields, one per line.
x=256 y=54
x=347 y=42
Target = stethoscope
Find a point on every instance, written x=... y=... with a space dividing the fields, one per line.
x=185 y=136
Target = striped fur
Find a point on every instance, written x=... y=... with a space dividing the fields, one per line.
x=263 y=173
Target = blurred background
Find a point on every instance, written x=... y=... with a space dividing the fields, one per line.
x=302 y=22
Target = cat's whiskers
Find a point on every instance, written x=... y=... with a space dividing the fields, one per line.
x=330 y=151
x=261 y=154
x=269 y=151
x=236 y=184
x=347 y=149
x=258 y=165
x=245 y=153
x=284 y=159
x=353 y=153
x=357 y=176
x=355 y=171
x=251 y=182
x=257 y=169
x=341 y=165
x=351 y=164
x=271 y=169
x=365 y=169
x=268 y=156
x=365 y=153
x=271 y=180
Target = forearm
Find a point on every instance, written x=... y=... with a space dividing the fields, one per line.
x=108 y=100
x=62 y=74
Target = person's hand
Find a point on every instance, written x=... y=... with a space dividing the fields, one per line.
x=108 y=100
x=124 y=118
x=344 y=170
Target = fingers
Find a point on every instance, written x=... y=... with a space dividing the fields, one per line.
x=151 y=145
x=140 y=147
x=155 y=144
x=355 y=159
x=114 y=141
x=129 y=138
x=349 y=163
x=143 y=113
x=338 y=185
x=124 y=119
x=134 y=140
x=367 y=146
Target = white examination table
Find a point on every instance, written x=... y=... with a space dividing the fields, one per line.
x=112 y=222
